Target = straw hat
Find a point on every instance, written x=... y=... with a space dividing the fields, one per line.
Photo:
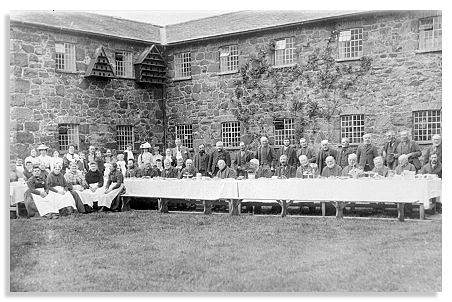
x=146 y=146
x=42 y=147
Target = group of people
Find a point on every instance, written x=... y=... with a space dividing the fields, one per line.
x=89 y=181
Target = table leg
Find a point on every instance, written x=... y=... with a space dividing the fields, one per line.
x=323 y=209
x=234 y=207
x=339 y=205
x=125 y=204
x=421 y=212
x=163 y=205
x=207 y=207
x=283 y=204
x=401 y=211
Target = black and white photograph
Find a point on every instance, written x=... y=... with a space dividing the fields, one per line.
x=224 y=151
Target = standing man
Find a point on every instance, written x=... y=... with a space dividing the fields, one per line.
x=306 y=150
x=435 y=148
x=344 y=151
x=179 y=150
x=217 y=154
x=324 y=152
x=389 y=150
x=241 y=160
x=266 y=154
x=289 y=151
x=366 y=153
x=201 y=160
x=410 y=148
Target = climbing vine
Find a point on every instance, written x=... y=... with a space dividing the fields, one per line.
x=310 y=91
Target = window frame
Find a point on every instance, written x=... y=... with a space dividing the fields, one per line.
x=343 y=49
x=65 y=61
x=182 y=130
x=68 y=141
x=124 y=68
x=231 y=133
x=285 y=56
x=428 y=125
x=435 y=33
x=182 y=65
x=123 y=137
x=287 y=131
x=357 y=131
x=229 y=58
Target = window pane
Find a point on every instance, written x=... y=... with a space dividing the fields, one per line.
x=185 y=134
x=124 y=137
x=352 y=127
x=68 y=135
x=230 y=134
x=425 y=124
x=350 y=43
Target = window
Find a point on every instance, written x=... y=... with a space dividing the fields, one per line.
x=182 y=65
x=425 y=124
x=284 y=128
x=284 y=51
x=351 y=44
x=229 y=58
x=352 y=126
x=230 y=134
x=124 y=137
x=430 y=33
x=68 y=135
x=65 y=57
x=185 y=134
x=123 y=61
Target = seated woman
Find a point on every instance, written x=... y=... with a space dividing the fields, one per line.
x=76 y=183
x=37 y=201
x=57 y=188
x=113 y=190
x=56 y=160
x=94 y=180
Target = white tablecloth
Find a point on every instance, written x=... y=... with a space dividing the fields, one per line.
x=211 y=189
x=353 y=190
x=17 y=191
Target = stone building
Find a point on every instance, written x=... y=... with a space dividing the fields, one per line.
x=229 y=77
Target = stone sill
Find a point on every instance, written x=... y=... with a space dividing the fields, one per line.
x=69 y=72
x=427 y=51
x=423 y=143
x=227 y=72
x=348 y=59
x=285 y=66
x=124 y=78
x=182 y=79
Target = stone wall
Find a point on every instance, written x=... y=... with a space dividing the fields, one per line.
x=41 y=98
x=400 y=81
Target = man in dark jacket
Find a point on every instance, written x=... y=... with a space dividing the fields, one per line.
x=266 y=154
x=366 y=153
x=306 y=150
x=435 y=148
x=324 y=152
x=389 y=150
x=217 y=154
x=410 y=148
x=168 y=170
x=289 y=151
x=201 y=160
x=343 y=152
x=241 y=160
x=433 y=166
x=189 y=171
x=284 y=170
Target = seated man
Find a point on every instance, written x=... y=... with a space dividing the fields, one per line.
x=179 y=164
x=131 y=170
x=379 y=167
x=284 y=170
x=433 y=166
x=352 y=169
x=331 y=169
x=168 y=170
x=305 y=170
x=57 y=188
x=189 y=171
x=224 y=171
x=113 y=190
x=404 y=165
x=149 y=171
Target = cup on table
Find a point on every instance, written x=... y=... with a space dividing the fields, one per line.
x=251 y=176
x=198 y=175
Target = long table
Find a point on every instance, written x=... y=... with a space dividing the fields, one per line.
x=285 y=191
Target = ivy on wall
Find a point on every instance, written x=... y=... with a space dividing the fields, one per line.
x=310 y=92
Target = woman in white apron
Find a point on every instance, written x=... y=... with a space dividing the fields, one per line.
x=36 y=197
x=113 y=189
x=94 y=180
x=57 y=189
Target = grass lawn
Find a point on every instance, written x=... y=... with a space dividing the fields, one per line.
x=148 y=252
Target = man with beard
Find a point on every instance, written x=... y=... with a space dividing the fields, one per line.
x=331 y=169
x=389 y=150
x=433 y=166
x=266 y=155
x=324 y=152
x=435 y=148
x=241 y=160
x=284 y=170
x=289 y=151
x=343 y=152
x=352 y=168
x=306 y=150
x=218 y=154
x=409 y=148
x=366 y=153
x=201 y=160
